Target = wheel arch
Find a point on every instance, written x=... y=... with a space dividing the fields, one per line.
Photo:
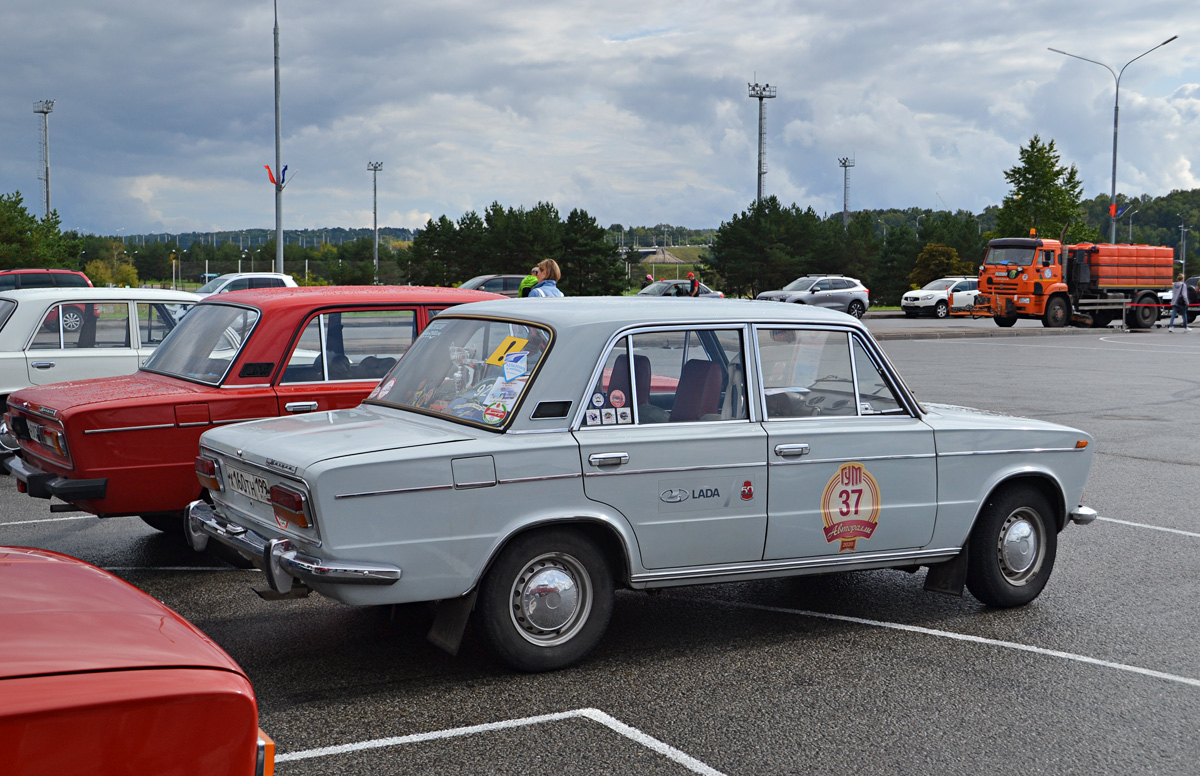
x=1043 y=481
x=613 y=543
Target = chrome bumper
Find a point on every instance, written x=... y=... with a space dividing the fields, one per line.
x=278 y=558
x=1082 y=515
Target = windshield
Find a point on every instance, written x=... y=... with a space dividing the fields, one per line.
x=1021 y=257
x=211 y=285
x=800 y=284
x=466 y=369
x=204 y=345
x=939 y=285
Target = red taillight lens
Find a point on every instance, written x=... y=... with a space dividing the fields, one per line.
x=288 y=504
x=208 y=473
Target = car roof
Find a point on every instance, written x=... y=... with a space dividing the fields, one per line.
x=39 y=269
x=307 y=297
x=618 y=312
x=88 y=294
x=252 y=275
x=59 y=615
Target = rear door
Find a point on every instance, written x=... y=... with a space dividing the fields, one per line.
x=341 y=355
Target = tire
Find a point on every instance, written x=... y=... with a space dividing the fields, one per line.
x=1145 y=316
x=856 y=309
x=572 y=615
x=1005 y=323
x=1056 y=314
x=1012 y=548
x=911 y=313
x=72 y=319
x=167 y=522
x=941 y=309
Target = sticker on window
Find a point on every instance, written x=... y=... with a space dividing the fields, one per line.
x=592 y=418
x=515 y=365
x=509 y=345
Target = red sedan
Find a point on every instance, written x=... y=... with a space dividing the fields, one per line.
x=127 y=445
x=98 y=677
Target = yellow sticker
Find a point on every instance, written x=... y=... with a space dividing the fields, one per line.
x=850 y=506
x=509 y=345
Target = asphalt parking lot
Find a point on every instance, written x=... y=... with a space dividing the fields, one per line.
x=862 y=673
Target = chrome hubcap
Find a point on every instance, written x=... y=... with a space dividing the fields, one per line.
x=1020 y=546
x=551 y=599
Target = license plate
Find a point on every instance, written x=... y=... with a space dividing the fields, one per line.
x=249 y=485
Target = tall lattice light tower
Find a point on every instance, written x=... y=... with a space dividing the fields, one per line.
x=761 y=92
x=846 y=162
x=44 y=107
x=374 y=168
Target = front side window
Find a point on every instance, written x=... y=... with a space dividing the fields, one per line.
x=205 y=343
x=351 y=345
x=682 y=376
x=875 y=396
x=466 y=369
x=806 y=373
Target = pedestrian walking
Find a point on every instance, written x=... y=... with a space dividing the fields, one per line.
x=548 y=275
x=693 y=285
x=527 y=284
x=1179 y=303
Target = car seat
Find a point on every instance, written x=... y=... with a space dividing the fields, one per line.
x=699 y=391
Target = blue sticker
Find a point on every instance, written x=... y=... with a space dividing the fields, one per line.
x=515 y=365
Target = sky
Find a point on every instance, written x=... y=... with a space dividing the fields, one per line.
x=635 y=112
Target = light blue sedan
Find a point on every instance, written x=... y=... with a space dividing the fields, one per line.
x=527 y=457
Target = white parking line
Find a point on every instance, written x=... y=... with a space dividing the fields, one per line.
x=50 y=520
x=112 y=569
x=1151 y=527
x=972 y=639
x=691 y=763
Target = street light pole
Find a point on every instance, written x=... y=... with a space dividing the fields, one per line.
x=1131 y=215
x=1183 y=230
x=1112 y=202
x=375 y=167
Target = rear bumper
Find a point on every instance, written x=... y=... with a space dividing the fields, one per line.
x=279 y=559
x=40 y=484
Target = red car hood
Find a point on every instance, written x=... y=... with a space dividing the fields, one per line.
x=80 y=393
x=60 y=615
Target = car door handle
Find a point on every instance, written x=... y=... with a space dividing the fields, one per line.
x=42 y=365
x=608 y=459
x=300 y=406
x=785 y=451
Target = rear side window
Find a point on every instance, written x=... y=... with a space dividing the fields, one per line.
x=265 y=283
x=70 y=280
x=37 y=280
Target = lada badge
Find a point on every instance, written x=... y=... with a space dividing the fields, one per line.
x=674 y=495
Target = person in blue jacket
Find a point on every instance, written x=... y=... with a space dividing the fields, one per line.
x=548 y=275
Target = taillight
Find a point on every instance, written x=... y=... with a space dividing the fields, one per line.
x=55 y=440
x=209 y=474
x=288 y=504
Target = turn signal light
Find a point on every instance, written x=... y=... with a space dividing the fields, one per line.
x=208 y=473
x=1082 y=443
x=288 y=504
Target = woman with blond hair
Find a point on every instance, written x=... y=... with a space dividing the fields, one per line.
x=548 y=275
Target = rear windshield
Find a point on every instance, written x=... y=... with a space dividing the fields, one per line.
x=205 y=344
x=466 y=369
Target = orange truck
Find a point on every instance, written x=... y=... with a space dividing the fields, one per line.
x=1084 y=285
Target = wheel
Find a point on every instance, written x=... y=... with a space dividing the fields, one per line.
x=1056 y=314
x=1005 y=322
x=167 y=522
x=1144 y=314
x=941 y=309
x=546 y=601
x=911 y=313
x=1011 y=550
x=72 y=319
x=856 y=309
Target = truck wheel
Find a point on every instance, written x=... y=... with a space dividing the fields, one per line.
x=1005 y=322
x=546 y=601
x=1144 y=315
x=1012 y=548
x=1056 y=313
x=941 y=309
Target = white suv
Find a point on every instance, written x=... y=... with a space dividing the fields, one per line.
x=934 y=298
x=240 y=281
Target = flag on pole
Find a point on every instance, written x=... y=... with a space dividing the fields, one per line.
x=270 y=174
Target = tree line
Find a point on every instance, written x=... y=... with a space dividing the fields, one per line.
x=764 y=247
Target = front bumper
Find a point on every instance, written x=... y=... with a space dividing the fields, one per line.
x=40 y=484
x=1082 y=515
x=279 y=559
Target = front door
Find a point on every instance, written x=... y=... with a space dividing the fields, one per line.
x=851 y=470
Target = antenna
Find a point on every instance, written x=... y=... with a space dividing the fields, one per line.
x=846 y=162
x=761 y=92
x=44 y=107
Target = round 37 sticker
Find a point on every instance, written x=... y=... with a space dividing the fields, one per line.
x=850 y=506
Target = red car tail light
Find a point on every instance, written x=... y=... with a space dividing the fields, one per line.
x=288 y=504
x=209 y=473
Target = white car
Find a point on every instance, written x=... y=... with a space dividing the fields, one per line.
x=934 y=298
x=241 y=281
x=50 y=335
